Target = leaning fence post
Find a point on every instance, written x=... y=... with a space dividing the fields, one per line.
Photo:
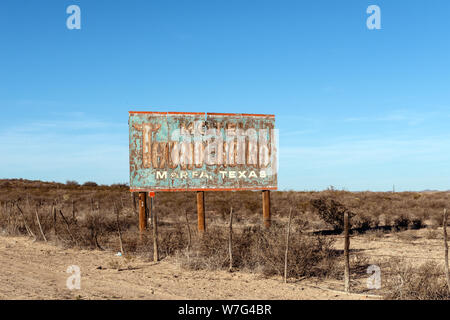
x=444 y=226
x=189 y=231
x=288 y=233
x=39 y=224
x=25 y=222
x=346 y=253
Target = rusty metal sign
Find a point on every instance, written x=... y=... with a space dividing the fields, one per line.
x=179 y=151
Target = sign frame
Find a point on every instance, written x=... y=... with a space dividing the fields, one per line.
x=178 y=116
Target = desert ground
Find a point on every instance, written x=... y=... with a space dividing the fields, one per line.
x=37 y=270
x=34 y=270
x=47 y=227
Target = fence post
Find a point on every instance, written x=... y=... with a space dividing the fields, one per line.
x=288 y=233
x=39 y=224
x=201 y=211
x=230 y=240
x=73 y=210
x=444 y=226
x=266 y=208
x=54 y=221
x=155 y=234
x=149 y=208
x=346 y=253
x=142 y=212
x=189 y=231
x=116 y=209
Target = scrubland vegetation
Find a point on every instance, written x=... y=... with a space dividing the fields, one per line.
x=90 y=216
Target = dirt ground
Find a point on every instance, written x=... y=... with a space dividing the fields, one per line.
x=36 y=270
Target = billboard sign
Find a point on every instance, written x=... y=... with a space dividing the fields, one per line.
x=180 y=151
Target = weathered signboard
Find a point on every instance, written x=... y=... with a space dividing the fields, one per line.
x=177 y=151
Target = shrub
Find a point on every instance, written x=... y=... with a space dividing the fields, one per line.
x=432 y=234
x=90 y=184
x=257 y=248
x=401 y=223
x=416 y=223
x=426 y=282
x=331 y=211
x=120 y=185
x=362 y=222
x=72 y=183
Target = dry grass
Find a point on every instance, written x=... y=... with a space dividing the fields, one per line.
x=262 y=250
x=426 y=282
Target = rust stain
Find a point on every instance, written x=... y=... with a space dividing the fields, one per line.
x=180 y=151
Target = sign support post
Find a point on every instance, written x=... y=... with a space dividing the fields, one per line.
x=142 y=212
x=266 y=208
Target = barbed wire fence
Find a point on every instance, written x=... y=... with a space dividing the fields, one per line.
x=444 y=258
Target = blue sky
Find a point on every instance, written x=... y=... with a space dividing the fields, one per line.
x=358 y=109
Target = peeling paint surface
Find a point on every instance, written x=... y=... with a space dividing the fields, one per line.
x=172 y=151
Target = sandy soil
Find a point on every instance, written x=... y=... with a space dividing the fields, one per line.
x=36 y=270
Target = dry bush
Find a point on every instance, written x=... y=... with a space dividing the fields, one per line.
x=257 y=248
x=375 y=234
x=363 y=222
x=426 y=282
x=72 y=183
x=433 y=234
x=172 y=241
x=407 y=235
x=90 y=184
x=401 y=223
x=416 y=223
x=330 y=211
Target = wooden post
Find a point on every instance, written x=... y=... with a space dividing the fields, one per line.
x=150 y=208
x=189 y=231
x=54 y=221
x=39 y=224
x=188 y=249
x=346 y=253
x=30 y=233
x=201 y=211
x=148 y=216
x=288 y=233
x=73 y=210
x=444 y=226
x=118 y=228
x=155 y=235
x=230 y=240
x=266 y=207
x=142 y=212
